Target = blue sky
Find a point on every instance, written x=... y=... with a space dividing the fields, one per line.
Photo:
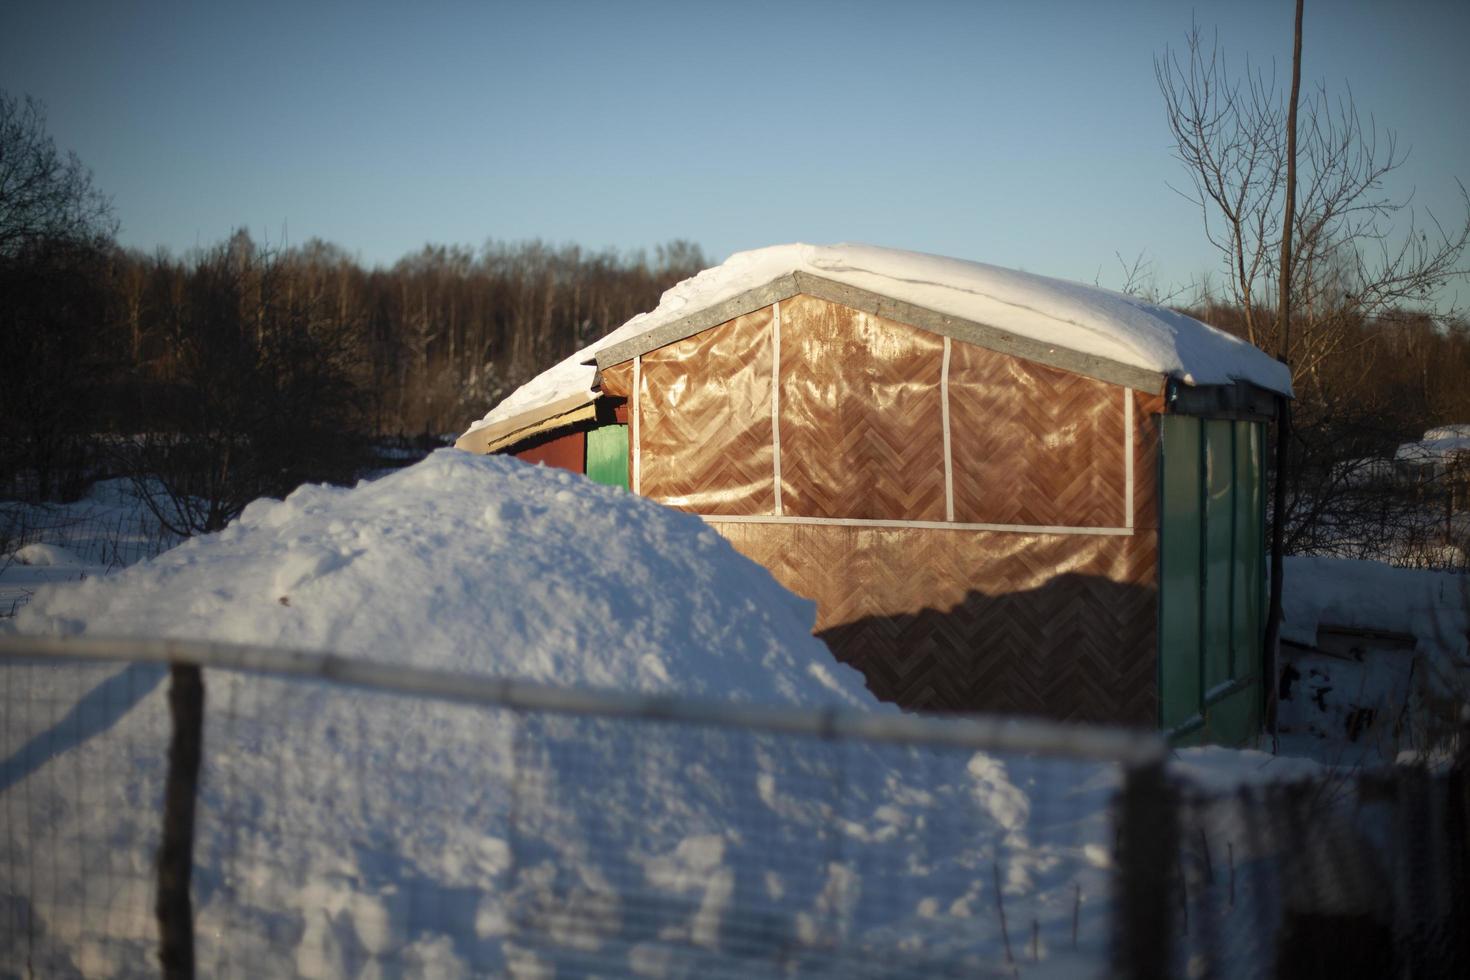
x=1024 y=134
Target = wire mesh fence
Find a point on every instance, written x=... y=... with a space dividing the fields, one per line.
x=484 y=828
x=361 y=819
x=1363 y=874
x=80 y=798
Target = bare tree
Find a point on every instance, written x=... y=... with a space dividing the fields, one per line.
x=1313 y=252
x=1359 y=253
x=44 y=195
x=55 y=240
x=1283 y=414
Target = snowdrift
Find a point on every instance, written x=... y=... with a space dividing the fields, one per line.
x=479 y=564
x=1431 y=606
x=342 y=830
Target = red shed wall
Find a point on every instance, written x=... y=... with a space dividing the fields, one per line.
x=567 y=451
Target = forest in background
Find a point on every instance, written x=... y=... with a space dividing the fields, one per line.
x=243 y=369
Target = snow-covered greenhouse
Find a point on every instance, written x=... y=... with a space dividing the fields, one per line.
x=1003 y=492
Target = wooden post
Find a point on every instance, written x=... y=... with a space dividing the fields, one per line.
x=1143 y=929
x=173 y=907
x=1283 y=418
x=1270 y=656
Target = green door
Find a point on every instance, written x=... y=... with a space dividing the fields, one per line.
x=607 y=455
x=1180 y=568
x=1211 y=577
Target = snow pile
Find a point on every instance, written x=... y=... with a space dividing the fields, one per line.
x=1392 y=672
x=346 y=833
x=341 y=828
x=485 y=565
x=1433 y=607
x=1222 y=770
x=1052 y=311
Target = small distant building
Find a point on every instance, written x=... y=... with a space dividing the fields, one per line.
x=1004 y=492
x=1441 y=460
x=1444 y=451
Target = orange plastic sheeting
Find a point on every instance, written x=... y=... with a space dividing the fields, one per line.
x=704 y=425
x=617 y=380
x=568 y=451
x=1034 y=445
x=1062 y=626
x=861 y=415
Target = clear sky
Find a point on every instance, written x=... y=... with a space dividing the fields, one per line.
x=1025 y=134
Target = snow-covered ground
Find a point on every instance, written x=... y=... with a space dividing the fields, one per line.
x=1433 y=607
x=345 y=832
x=45 y=543
x=1378 y=661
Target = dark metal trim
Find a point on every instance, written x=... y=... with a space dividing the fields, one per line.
x=1242 y=401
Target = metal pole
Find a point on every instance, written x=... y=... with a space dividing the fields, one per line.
x=1271 y=670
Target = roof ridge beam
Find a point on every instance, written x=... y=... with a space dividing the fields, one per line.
x=876 y=304
x=982 y=335
x=782 y=287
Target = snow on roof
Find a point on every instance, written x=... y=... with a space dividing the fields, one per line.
x=1067 y=314
x=1438 y=443
x=479 y=564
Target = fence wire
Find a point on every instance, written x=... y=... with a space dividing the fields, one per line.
x=81 y=788
x=423 y=824
x=344 y=831
x=1360 y=874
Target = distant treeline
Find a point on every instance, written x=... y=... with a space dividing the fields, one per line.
x=240 y=346
x=1410 y=368
x=276 y=364
x=243 y=370
x=1363 y=388
x=429 y=344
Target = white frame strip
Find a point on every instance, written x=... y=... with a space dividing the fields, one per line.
x=776 y=402
x=1128 y=458
x=948 y=462
x=637 y=444
x=932 y=525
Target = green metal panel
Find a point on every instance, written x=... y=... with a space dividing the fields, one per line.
x=1212 y=579
x=1259 y=555
x=1247 y=569
x=1262 y=563
x=607 y=455
x=1219 y=535
x=1179 y=572
x=1232 y=720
